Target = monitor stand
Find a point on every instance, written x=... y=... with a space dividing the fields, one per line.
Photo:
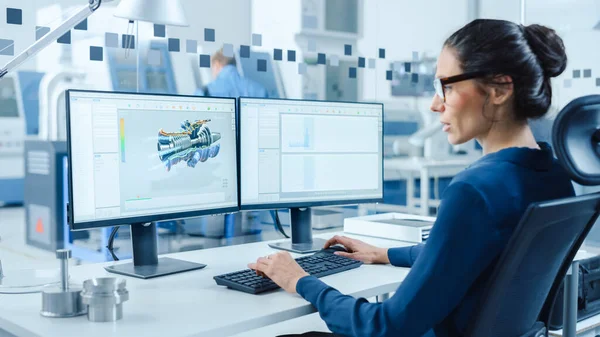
x=302 y=241
x=146 y=263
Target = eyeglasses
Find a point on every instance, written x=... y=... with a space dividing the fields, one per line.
x=439 y=83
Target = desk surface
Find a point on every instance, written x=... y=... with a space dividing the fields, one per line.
x=583 y=326
x=191 y=304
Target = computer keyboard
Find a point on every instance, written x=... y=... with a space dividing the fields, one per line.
x=320 y=264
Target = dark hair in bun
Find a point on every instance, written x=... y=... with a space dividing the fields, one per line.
x=530 y=55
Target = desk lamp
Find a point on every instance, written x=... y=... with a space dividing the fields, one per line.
x=164 y=12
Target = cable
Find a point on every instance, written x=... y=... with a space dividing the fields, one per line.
x=129 y=41
x=111 y=240
x=275 y=216
x=94 y=8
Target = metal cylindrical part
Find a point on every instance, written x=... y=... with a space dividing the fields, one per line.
x=57 y=302
x=64 y=275
x=104 y=298
x=63 y=255
x=62 y=300
x=98 y=313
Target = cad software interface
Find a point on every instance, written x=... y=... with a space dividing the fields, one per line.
x=305 y=152
x=140 y=155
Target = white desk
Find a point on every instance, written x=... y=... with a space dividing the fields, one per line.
x=191 y=304
x=423 y=168
x=586 y=328
x=300 y=325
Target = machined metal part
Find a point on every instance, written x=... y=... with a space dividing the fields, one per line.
x=104 y=298
x=193 y=143
x=63 y=300
x=64 y=255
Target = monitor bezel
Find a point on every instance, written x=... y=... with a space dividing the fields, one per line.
x=301 y=204
x=145 y=218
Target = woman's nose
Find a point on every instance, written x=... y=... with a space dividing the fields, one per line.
x=437 y=104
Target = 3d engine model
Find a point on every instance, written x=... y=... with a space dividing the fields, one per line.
x=195 y=142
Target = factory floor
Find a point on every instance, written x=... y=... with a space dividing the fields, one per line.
x=16 y=254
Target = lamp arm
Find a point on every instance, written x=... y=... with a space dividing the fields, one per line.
x=45 y=40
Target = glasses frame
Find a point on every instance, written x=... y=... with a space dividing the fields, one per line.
x=439 y=83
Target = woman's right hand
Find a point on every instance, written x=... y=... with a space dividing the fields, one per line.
x=359 y=250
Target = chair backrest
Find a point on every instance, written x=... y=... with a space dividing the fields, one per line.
x=518 y=298
x=542 y=247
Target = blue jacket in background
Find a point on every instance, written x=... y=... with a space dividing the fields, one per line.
x=229 y=83
x=479 y=212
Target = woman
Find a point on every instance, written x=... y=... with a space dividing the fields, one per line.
x=492 y=77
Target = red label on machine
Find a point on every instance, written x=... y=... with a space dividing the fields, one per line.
x=39 y=226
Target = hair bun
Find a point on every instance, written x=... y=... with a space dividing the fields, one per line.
x=548 y=47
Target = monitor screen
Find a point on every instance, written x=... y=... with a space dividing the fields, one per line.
x=140 y=157
x=309 y=153
x=8 y=98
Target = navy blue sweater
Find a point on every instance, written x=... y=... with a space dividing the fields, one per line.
x=478 y=213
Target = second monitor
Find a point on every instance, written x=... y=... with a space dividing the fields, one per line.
x=299 y=154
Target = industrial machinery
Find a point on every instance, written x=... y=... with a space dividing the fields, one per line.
x=12 y=138
x=194 y=143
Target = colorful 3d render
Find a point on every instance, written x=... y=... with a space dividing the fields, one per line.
x=195 y=142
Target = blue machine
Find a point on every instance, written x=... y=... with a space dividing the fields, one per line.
x=153 y=79
x=44 y=185
x=269 y=79
x=12 y=138
x=413 y=78
x=29 y=81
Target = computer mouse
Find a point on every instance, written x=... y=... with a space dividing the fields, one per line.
x=336 y=248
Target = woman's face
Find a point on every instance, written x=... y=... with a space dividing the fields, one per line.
x=462 y=113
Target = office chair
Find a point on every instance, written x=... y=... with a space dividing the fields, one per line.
x=518 y=299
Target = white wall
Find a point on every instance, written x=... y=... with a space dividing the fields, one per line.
x=230 y=18
x=503 y=10
x=401 y=27
x=573 y=21
x=279 y=21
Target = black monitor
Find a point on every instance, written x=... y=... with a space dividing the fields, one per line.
x=299 y=154
x=139 y=158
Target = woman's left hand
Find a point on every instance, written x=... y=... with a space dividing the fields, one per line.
x=281 y=268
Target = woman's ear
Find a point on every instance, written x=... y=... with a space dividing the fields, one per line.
x=501 y=90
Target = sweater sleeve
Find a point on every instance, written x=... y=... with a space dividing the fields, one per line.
x=404 y=256
x=459 y=248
